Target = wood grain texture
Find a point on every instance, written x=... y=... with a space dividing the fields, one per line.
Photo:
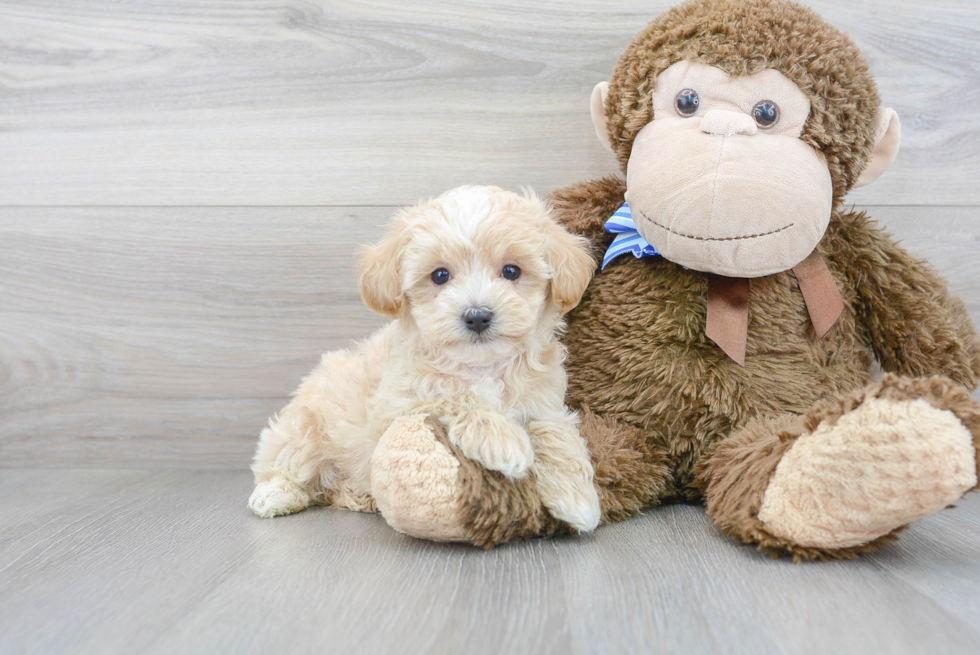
x=168 y=562
x=309 y=102
x=162 y=337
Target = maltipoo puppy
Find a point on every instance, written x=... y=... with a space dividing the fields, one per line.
x=476 y=281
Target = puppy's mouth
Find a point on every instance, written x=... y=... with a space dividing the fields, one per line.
x=484 y=338
x=489 y=338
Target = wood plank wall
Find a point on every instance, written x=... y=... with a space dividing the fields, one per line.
x=182 y=184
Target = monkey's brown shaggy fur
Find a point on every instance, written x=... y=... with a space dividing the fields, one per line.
x=666 y=413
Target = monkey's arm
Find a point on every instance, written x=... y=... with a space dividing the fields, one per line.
x=915 y=326
x=584 y=207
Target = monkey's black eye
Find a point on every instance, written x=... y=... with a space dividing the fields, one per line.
x=440 y=276
x=510 y=272
x=687 y=103
x=765 y=113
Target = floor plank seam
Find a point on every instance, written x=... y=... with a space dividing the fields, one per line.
x=930 y=598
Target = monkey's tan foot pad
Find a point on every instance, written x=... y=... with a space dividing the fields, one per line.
x=425 y=487
x=874 y=461
x=415 y=481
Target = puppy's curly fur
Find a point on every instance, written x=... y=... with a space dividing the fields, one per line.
x=487 y=386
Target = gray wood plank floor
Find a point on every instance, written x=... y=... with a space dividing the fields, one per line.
x=182 y=185
x=172 y=562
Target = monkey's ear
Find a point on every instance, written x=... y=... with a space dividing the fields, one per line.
x=572 y=266
x=598 y=109
x=379 y=274
x=888 y=137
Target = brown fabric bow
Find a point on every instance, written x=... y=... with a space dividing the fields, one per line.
x=728 y=305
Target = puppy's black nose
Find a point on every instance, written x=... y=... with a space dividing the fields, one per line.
x=477 y=319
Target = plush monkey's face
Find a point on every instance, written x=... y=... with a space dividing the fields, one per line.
x=720 y=180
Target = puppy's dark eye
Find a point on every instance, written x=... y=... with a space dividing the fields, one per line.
x=510 y=272
x=440 y=276
x=687 y=103
x=765 y=113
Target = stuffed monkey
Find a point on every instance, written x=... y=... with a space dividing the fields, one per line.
x=724 y=352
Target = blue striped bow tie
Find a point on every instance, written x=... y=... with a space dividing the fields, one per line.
x=627 y=238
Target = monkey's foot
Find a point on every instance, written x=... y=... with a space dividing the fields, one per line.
x=425 y=487
x=415 y=481
x=868 y=464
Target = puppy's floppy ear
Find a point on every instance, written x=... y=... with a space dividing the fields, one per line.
x=379 y=273
x=572 y=266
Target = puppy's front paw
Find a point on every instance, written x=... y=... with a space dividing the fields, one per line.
x=495 y=441
x=574 y=501
x=276 y=497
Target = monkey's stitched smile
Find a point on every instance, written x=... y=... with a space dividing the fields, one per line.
x=697 y=238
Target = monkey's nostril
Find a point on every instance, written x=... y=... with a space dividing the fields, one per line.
x=477 y=319
x=721 y=122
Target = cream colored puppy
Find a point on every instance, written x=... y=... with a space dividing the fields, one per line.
x=477 y=281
